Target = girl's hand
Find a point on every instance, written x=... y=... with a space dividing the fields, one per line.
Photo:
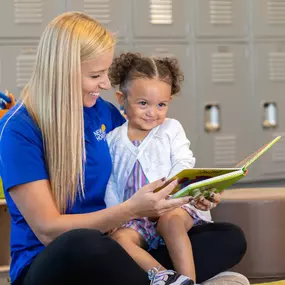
x=204 y=204
x=146 y=203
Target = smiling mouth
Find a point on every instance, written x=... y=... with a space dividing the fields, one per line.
x=95 y=95
x=150 y=121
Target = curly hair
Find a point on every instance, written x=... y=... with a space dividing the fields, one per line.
x=128 y=67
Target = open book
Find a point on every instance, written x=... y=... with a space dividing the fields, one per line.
x=198 y=182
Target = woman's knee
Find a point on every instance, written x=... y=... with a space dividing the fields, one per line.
x=84 y=240
x=227 y=237
x=235 y=237
x=79 y=235
x=238 y=238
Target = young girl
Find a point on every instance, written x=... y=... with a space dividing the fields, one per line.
x=147 y=147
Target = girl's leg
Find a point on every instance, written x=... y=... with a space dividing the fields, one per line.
x=217 y=247
x=173 y=227
x=86 y=257
x=134 y=243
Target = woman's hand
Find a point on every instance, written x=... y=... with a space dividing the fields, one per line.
x=146 y=203
x=204 y=204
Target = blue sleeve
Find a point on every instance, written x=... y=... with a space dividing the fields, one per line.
x=21 y=157
x=116 y=117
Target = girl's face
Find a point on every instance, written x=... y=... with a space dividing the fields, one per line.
x=95 y=77
x=147 y=103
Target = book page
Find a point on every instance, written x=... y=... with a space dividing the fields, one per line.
x=250 y=159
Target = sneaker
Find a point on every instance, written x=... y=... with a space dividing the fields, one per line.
x=227 y=278
x=167 y=277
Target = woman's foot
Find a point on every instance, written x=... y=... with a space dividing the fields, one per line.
x=227 y=278
x=167 y=277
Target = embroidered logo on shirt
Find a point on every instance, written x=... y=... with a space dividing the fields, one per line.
x=100 y=134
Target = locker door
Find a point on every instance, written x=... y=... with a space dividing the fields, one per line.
x=182 y=106
x=222 y=18
x=161 y=18
x=22 y=18
x=16 y=66
x=113 y=14
x=223 y=90
x=268 y=18
x=269 y=103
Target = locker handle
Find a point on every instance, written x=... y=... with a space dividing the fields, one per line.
x=212 y=118
x=270 y=115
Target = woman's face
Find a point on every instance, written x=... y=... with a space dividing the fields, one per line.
x=95 y=77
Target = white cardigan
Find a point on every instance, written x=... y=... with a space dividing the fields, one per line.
x=163 y=153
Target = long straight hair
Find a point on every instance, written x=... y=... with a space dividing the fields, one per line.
x=54 y=99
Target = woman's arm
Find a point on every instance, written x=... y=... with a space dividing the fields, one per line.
x=42 y=215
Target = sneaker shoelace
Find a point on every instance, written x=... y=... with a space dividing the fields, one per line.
x=154 y=275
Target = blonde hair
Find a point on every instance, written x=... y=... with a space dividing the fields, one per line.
x=54 y=99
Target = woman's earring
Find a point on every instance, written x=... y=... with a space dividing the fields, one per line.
x=123 y=111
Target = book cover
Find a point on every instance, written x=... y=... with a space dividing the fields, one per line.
x=198 y=182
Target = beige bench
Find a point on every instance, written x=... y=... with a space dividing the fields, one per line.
x=261 y=215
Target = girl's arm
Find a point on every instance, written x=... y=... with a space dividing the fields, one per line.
x=111 y=195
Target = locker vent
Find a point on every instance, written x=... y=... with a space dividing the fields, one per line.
x=162 y=52
x=276 y=12
x=28 y=11
x=99 y=10
x=225 y=151
x=278 y=151
x=221 y=12
x=24 y=66
x=223 y=67
x=276 y=62
x=160 y=12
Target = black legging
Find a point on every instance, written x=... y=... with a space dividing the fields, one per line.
x=88 y=257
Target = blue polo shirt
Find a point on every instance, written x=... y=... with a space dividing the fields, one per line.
x=22 y=161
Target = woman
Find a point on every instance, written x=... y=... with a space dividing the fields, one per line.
x=55 y=165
